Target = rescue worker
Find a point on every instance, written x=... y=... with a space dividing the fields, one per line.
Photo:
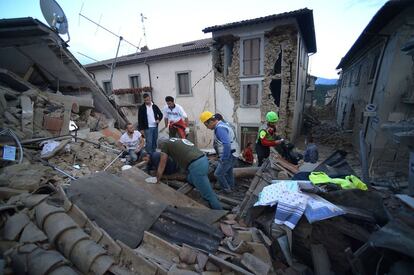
x=175 y=119
x=188 y=157
x=224 y=146
x=266 y=137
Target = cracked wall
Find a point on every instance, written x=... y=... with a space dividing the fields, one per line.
x=281 y=39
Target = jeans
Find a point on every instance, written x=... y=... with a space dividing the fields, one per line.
x=133 y=157
x=224 y=173
x=151 y=136
x=198 y=176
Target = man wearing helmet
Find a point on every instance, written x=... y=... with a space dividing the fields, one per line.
x=225 y=146
x=266 y=137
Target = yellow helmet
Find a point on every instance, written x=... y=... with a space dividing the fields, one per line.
x=206 y=115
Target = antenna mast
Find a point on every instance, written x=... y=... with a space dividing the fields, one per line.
x=143 y=28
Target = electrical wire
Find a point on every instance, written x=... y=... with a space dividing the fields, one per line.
x=202 y=78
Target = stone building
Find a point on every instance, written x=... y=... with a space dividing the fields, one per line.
x=376 y=90
x=261 y=65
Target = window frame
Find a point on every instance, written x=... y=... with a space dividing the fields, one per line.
x=177 y=84
x=103 y=86
x=259 y=82
x=240 y=133
x=261 y=54
x=139 y=80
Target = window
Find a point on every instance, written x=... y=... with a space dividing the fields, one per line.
x=250 y=95
x=135 y=82
x=251 y=56
x=106 y=85
x=374 y=66
x=183 y=83
x=248 y=134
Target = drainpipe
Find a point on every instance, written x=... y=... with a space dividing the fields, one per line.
x=374 y=86
x=363 y=135
x=149 y=73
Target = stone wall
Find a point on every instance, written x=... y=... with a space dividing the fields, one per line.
x=281 y=38
x=231 y=80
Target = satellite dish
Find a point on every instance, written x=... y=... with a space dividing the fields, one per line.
x=54 y=16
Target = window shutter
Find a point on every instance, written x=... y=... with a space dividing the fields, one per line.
x=255 y=63
x=254 y=89
x=247 y=57
x=251 y=56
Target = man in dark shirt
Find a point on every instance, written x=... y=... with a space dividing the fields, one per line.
x=149 y=116
x=153 y=161
x=190 y=158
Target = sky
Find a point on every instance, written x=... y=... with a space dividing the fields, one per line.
x=338 y=23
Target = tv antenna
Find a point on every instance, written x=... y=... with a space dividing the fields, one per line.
x=143 y=28
x=55 y=17
x=119 y=44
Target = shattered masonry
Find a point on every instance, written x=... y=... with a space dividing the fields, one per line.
x=282 y=40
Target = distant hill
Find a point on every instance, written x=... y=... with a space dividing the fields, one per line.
x=325 y=81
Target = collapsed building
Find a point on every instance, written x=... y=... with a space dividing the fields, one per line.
x=261 y=65
x=375 y=94
x=74 y=210
x=25 y=46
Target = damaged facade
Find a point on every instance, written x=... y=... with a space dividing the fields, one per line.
x=260 y=65
x=182 y=71
x=376 y=88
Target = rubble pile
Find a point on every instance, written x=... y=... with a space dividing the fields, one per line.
x=328 y=133
x=362 y=239
x=34 y=113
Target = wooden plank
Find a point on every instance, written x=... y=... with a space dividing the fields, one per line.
x=228 y=200
x=160 y=191
x=185 y=189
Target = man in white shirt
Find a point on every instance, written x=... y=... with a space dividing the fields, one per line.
x=132 y=142
x=149 y=115
x=175 y=119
